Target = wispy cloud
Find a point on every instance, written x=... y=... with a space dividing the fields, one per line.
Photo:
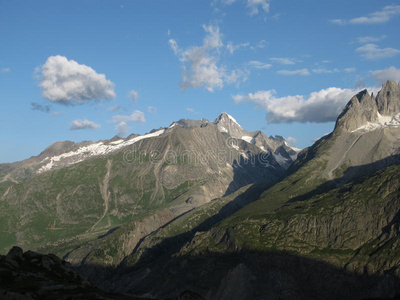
x=200 y=67
x=133 y=95
x=40 y=107
x=382 y=16
x=83 y=124
x=259 y=65
x=369 y=39
x=234 y=47
x=253 y=6
x=283 y=60
x=372 y=51
x=152 y=109
x=325 y=71
x=301 y=72
x=5 y=70
x=135 y=116
x=349 y=70
x=381 y=76
x=67 y=82
x=319 y=107
x=114 y=108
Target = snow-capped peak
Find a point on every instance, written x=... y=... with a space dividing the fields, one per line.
x=231 y=118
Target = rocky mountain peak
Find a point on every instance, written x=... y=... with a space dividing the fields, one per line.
x=364 y=111
x=227 y=123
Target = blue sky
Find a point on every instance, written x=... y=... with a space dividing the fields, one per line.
x=88 y=70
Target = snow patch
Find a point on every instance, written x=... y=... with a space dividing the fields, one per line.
x=383 y=121
x=247 y=138
x=280 y=159
x=95 y=149
x=233 y=120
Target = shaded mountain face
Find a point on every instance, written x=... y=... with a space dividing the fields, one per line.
x=332 y=222
x=30 y=275
x=79 y=191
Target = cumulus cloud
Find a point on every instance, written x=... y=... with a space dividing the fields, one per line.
x=259 y=65
x=319 y=107
x=200 y=63
x=123 y=129
x=381 y=76
x=283 y=60
x=133 y=95
x=40 y=107
x=83 y=124
x=6 y=70
x=372 y=51
x=382 y=16
x=68 y=82
x=136 y=116
x=302 y=72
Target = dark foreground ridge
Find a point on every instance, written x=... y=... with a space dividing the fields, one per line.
x=31 y=275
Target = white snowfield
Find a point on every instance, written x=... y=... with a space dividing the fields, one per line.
x=95 y=149
x=383 y=121
x=248 y=139
x=233 y=120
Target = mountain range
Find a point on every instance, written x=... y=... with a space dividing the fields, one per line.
x=210 y=208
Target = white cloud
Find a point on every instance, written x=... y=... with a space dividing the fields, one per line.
x=83 y=124
x=325 y=71
x=114 y=108
x=254 y=6
x=6 y=70
x=152 y=109
x=372 y=51
x=174 y=46
x=123 y=129
x=302 y=72
x=200 y=63
x=283 y=60
x=259 y=65
x=232 y=47
x=291 y=140
x=133 y=95
x=319 y=107
x=67 y=82
x=381 y=76
x=369 y=39
x=349 y=70
x=190 y=109
x=381 y=16
x=136 y=116
x=338 y=21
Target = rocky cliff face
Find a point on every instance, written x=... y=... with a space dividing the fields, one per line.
x=364 y=111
